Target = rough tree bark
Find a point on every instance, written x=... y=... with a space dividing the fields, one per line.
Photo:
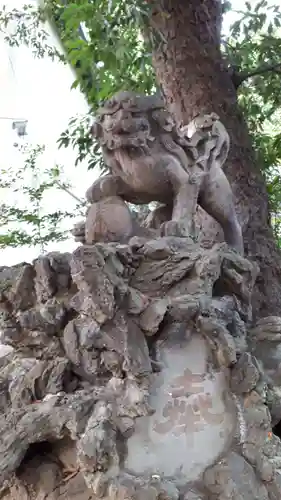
x=194 y=79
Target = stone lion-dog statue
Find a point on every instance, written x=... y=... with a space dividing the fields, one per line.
x=150 y=159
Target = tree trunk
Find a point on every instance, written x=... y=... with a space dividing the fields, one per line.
x=194 y=79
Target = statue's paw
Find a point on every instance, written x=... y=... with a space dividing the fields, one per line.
x=104 y=187
x=94 y=193
x=78 y=232
x=174 y=228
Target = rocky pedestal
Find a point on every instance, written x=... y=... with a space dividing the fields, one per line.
x=132 y=371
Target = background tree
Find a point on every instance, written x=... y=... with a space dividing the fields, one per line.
x=112 y=45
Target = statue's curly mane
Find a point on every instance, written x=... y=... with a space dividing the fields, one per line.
x=133 y=122
x=130 y=120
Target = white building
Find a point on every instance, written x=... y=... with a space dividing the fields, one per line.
x=39 y=91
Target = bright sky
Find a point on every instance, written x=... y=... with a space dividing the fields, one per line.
x=39 y=91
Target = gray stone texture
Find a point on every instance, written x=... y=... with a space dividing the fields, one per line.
x=132 y=371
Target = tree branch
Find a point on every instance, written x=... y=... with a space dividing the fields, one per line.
x=64 y=188
x=239 y=77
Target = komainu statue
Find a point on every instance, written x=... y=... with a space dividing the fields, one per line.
x=132 y=369
x=150 y=159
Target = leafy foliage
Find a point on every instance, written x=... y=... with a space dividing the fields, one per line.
x=25 y=191
x=78 y=136
x=115 y=56
x=103 y=42
x=254 y=46
x=27 y=29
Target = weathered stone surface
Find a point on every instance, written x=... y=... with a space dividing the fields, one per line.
x=191 y=414
x=219 y=338
x=48 y=317
x=11 y=332
x=60 y=264
x=126 y=372
x=22 y=294
x=151 y=159
x=110 y=220
x=9 y=276
x=49 y=420
x=52 y=275
x=245 y=374
x=45 y=279
x=265 y=343
x=153 y=316
x=233 y=478
x=96 y=278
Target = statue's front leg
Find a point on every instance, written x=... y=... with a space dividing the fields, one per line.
x=108 y=185
x=184 y=206
x=185 y=201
